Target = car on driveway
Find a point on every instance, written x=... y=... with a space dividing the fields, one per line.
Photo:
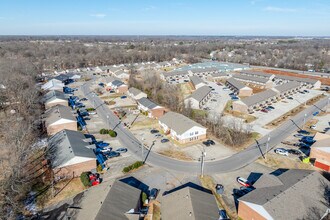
x=303 y=132
x=112 y=154
x=243 y=181
x=294 y=151
x=153 y=194
x=123 y=97
x=164 y=140
x=121 y=150
x=298 y=135
x=154 y=131
x=281 y=151
x=234 y=98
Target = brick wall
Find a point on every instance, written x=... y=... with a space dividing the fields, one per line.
x=246 y=213
x=122 y=89
x=156 y=113
x=77 y=169
x=53 y=129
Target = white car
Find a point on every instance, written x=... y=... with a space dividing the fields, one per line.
x=281 y=151
x=313 y=127
x=92 y=113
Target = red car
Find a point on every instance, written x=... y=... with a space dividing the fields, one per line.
x=264 y=110
x=243 y=182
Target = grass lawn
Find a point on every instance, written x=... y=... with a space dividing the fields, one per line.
x=175 y=154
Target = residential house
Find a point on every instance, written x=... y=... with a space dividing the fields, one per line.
x=123 y=202
x=117 y=85
x=189 y=202
x=53 y=98
x=287 y=89
x=256 y=101
x=53 y=84
x=198 y=98
x=264 y=83
x=136 y=94
x=238 y=88
x=197 y=82
x=320 y=151
x=182 y=128
x=69 y=154
x=308 y=82
x=121 y=74
x=152 y=109
x=59 y=118
x=294 y=194
x=218 y=76
x=258 y=74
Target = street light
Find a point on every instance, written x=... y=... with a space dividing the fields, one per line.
x=108 y=121
x=267 y=146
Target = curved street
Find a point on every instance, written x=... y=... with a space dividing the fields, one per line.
x=234 y=162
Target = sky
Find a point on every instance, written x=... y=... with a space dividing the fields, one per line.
x=170 y=17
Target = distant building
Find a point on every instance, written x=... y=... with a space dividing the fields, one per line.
x=136 y=93
x=189 y=203
x=197 y=82
x=308 y=82
x=113 y=83
x=53 y=84
x=238 y=88
x=121 y=74
x=152 y=109
x=181 y=128
x=59 y=118
x=198 y=98
x=294 y=194
x=53 y=98
x=69 y=154
x=264 y=83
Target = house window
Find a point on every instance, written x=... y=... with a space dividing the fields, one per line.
x=196 y=132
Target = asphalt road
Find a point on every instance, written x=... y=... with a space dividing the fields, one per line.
x=231 y=163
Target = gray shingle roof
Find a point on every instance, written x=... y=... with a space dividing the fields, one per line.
x=120 y=199
x=200 y=93
x=238 y=85
x=259 y=97
x=57 y=113
x=177 y=122
x=189 y=204
x=52 y=95
x=147 y=103
x=196 y=80
x=293 y=196
x=287 y=86
x=117 y=83
x=251 y=78
x=298 y=79
x=205 y=70
x=65 y=145
x=257 y=74
x=176 y=73
x=134 y=91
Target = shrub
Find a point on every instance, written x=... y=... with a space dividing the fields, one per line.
x=144 y=197
x=90 y=109
x=112 y=133
x=104 y=131
x=133 y=166
x=85 y=179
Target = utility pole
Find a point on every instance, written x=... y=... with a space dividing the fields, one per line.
x=203 y=160
x=267 y=146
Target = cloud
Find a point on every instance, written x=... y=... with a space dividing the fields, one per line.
x=98 y=15
x=150 y=8
x=278 y=9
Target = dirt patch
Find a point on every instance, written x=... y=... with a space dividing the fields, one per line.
x=257 y=90
x=208 y=182
x=145 y=123
x=175 y=154
x=186 y=89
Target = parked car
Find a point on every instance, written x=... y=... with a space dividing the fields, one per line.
x=158 y=135
x=112 y=154
x=294 y=151
x=234 y=98
x=264 y=110
x=304 y=145
x=207 y=144
x=164 y=140
x=213 y=100
x=243 y=182
x=306 y=91
x=87 y=118
x=185 y=80
x=83 y=114
x=123 y=97
x=312 y=127
x=210 y=142
x=298 y=135
x=121 y=150
x=83 y=99
x=101 y=84
x=154 y=131
x=92 y=113
x=238 y=192
x=303 y=132
x=223 y=215
x=112 y=91
x=289 y=97
x=225 y=89
x=153 y=194
x=281 y=151
x=232 y=94
x=271 y=107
